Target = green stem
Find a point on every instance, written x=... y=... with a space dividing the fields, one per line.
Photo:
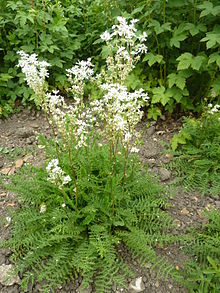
x=112 y=173
x=125 y=168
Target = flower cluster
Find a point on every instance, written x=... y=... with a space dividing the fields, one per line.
x=213 y=109
x=130 y=45
x=120 y=111
x=35 y=73
x=56 y=174
x=78 y=74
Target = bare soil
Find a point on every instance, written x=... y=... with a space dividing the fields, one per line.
x=18 y=133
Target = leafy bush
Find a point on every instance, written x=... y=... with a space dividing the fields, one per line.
x=54 y=29
x=180 y=69
x=197 y=153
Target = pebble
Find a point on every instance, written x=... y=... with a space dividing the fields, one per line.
x=24 y=132
x=11 y=289
x=4 y=271
x=151 y=130
x=164 y=174
x=136 y=285
x=2 y=259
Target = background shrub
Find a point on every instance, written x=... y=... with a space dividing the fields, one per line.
x=180 y=69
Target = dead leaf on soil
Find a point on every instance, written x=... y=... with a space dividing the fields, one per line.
x=12 y=170
x=11 y=204
x=200 y=213
x=195 y=198
x=208 y=207
x=28 y=158
x=19 y=163
x=169 y=156
x=5 y=171
x=184 y=211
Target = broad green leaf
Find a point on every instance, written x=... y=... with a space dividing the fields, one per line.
x=197 y=62
x=160 y=95
x=179 y=138
x=171 y=79
x=215 y=57
x=152 y=59
x=185 y=61
x=195 y=29
x=156 y=25
x=154 y=112
x=105 y=52
x=179 y=79
x=208 y=9
x=176 y=94
x=212 y=38
x=179 y=35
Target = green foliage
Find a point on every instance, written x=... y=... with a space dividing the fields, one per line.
x=196 y=154
x=56 y=30
x=84 y=235
x=202 y=274
x=179 y=60
x=180 y=68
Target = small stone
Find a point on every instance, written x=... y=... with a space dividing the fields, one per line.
x=136 y=285
x=151 y=130
x=35 y=125
x=148 y=266
x=169 y=156
x=144 y=279
x=24 y=132
x=11 y=289
x=19 y=163
x=217 y=203
x=177 y=222
x=170 y=286
x=164 y=174
x=157 y=284
x=29 y=140
x=184 y=211
x=2 y=259
x=5 y=251
x=4 y=279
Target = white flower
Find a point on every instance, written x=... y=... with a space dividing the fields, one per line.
x=81 y=71
x=214 y=109
x=56 y=174
x=142 y=38
x=43 y=208
x=63 y=205
x=66 y=179
x=106 y=36
x=134 y=150
x=35 y=72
